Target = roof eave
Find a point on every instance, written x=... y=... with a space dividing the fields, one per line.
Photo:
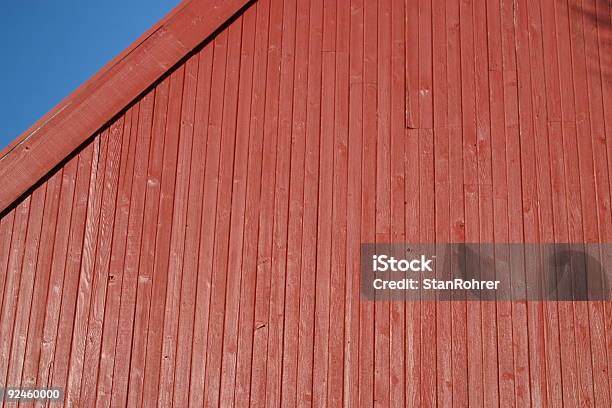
x=79 y=116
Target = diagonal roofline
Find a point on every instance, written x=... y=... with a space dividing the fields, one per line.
x=80 y=115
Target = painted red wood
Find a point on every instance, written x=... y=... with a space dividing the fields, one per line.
x=202 y=247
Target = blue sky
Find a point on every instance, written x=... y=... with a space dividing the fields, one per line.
x=50 y=47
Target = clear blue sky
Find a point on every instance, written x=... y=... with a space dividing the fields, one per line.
x=49 y=47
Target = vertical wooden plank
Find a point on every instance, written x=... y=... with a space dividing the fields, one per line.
x=281 y=207
x=501 y=227
x=140 y=147
x=115 y=270
x=265 y=240
x=11 y=285
x=500 y=311
x=189 y=292
x=546 y=312
x=59 y=366
x=142 y=139
x=6 y=231
x=514 y=180
x=368 y=201
x=308 y=283
x=570 y=339
x=581 y=321
x=170 y=245
x=412 y=49
x=601 y=188
x=251 y=227
x=558 y=206
x=427 y=236
x=27 y=278
x=456 y=194
x=56 y=279
x=382 y=357
x=235 y=261
x=567 y=138
x=565 y=69
x=297 y=203
x=485 y=194
x=503 y=308
x=182 y=158
x=441 y=153
x=148 y=254
x=86 y=273
x=7 y=227
x=266 y=226
x=551 y=61
x=398 y=183
x=583 y=380
x=595 y=76
x=170 y=237
x=325 y=211
x=33 y=347
x=471 y=193
x=425 y=64
x=428 y=351
x=604 y=36
x=75 y=250
x=226 y=122
x=353 y=299
x=587 y=226
x=214 y=57
x=93 y=344
x=130 y=281
x=412 y=177
x=339 y=209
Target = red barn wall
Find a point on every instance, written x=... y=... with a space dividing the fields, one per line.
x=204 y=246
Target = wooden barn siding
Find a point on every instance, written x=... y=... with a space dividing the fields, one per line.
x=203 y=248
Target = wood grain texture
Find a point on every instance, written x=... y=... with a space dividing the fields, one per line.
x=202 y=248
